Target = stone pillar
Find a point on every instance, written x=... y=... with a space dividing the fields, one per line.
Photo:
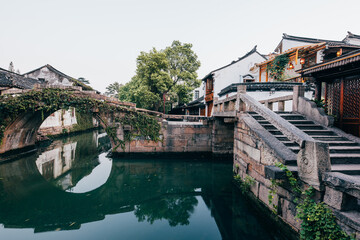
x=240 y=105
x=268 y=105
x=299 y=91
x=312 y=161
x=281 y=106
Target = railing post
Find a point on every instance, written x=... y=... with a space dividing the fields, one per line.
x=268 y=105
x=240 y=105
x=313 y=161
x=298 y=91
x=281 y=106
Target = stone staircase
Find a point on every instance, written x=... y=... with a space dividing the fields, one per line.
x=344 y=153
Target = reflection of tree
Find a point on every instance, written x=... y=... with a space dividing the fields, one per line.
x=177 y=210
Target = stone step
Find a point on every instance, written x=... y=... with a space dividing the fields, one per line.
x=258 y=117
x=344 y=149
x=334 y=149
x=319 y=132
x=282 y=112
x=263 y=122
x=275 y=132
x=341 y=143
x=290 y=143
x=308 y=126
x=345 y=158
x=301 y=127
x=282 y=138
x=335 y=138
x=292 y=116
x=269 y=126
x=301 y=122
x=350 y=169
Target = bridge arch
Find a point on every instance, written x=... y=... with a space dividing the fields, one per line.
x=22 y=115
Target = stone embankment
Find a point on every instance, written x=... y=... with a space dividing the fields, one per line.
x=318 y=155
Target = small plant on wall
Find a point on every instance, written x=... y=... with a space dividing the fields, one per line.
x=276 y=69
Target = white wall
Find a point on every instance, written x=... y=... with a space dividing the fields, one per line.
x=232 y=73
x=287 y=44
x=50 y=77
x=201 y=90
x=60 y=118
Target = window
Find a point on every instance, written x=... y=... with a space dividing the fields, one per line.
x=197 y=94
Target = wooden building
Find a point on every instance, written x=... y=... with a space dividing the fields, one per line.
x=338 y=84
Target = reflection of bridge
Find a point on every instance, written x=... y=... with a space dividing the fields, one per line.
x=139 y=186
x=67 y=160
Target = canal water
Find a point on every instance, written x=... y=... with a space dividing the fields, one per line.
x=73 y=189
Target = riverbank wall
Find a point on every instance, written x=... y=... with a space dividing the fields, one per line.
x=198 y=134
x=255 y=154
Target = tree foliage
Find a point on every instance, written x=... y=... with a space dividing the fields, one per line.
x=171 y=71
x=113 y=89
x=276 y=69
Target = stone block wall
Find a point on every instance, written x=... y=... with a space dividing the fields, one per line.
x=222 y=136
x=253 y=151
x=177 y=137
x=251 y=155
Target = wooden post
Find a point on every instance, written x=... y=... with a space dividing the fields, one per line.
x=341 y=107
x=318 y=91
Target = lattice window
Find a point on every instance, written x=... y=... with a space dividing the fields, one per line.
x=351 y=98
x=333 y=98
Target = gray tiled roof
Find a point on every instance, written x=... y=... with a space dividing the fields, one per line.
x=10 y=79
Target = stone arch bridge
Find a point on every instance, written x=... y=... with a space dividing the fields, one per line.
x=130 y=129
x=22 y=115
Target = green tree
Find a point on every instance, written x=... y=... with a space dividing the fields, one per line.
x=113 y=89
x=171 y=71
x=183 y=66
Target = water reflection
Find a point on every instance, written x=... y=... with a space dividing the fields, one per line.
x=140 y=199
x=74 y=164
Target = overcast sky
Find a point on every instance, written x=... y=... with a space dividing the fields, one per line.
x=100 y=39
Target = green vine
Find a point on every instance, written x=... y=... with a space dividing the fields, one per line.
x=276 y=69
x=317 y=220
x=48 y=101
x=245 y=183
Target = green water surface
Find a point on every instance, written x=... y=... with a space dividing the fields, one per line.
x=72 y=189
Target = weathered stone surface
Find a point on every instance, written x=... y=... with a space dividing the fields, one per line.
x=264 y=196
x=339 y=200
x=312 y=112
x=342 y=182
x=313 y=160
x=288 y=210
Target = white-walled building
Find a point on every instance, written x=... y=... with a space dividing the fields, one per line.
x=238 y=71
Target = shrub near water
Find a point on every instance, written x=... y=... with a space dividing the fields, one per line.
x=317 y=220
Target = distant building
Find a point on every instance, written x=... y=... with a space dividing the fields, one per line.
x=13 y=83
x=50 y=75
x=305 y=52
x=237 y=71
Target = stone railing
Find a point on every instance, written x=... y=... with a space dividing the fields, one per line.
x=279 y=100
x=313 y=159
x=225 y=107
